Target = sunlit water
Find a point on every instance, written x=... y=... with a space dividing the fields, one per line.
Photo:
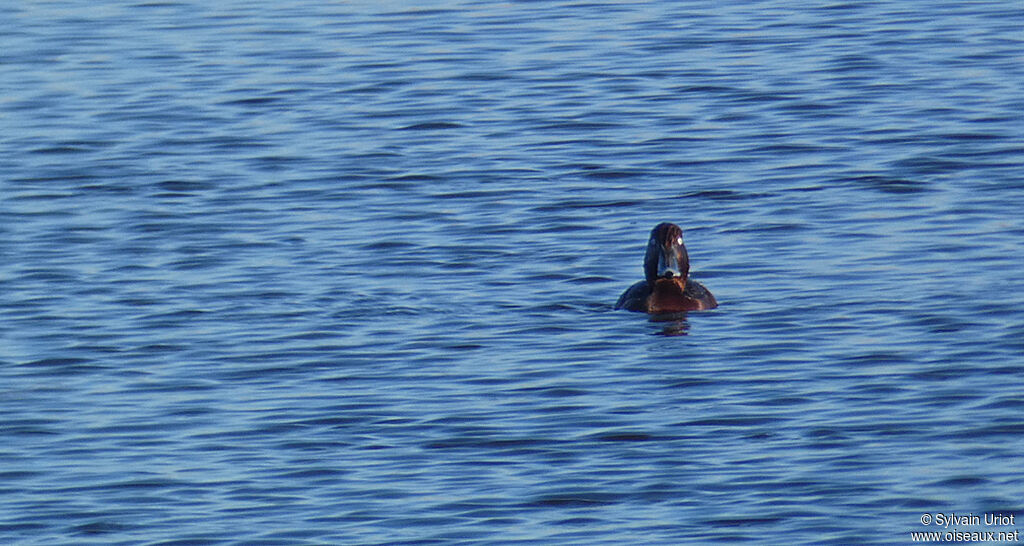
x=307 y=273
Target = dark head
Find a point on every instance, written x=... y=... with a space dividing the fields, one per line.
x=666 y=256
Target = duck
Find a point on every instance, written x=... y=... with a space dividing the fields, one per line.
x=666 y=287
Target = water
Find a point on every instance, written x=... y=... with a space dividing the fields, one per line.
x=301 y=273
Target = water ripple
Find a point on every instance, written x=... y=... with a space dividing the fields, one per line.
x=314 y=273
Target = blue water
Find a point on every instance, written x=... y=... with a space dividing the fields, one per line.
x=307 y=273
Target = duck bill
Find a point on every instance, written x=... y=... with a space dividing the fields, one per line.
x=669 y=266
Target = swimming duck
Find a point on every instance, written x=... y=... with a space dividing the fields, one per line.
x=666 y=287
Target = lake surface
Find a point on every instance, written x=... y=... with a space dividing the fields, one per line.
x=307 y=273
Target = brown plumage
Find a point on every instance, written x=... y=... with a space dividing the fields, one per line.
x=666 y=287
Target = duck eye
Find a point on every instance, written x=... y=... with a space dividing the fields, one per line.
x=679 y=241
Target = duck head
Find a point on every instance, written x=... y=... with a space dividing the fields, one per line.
x=666 y=256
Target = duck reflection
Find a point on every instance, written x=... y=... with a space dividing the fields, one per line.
x=673 y=324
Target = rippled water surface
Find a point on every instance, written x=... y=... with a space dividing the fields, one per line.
x=305 y=272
